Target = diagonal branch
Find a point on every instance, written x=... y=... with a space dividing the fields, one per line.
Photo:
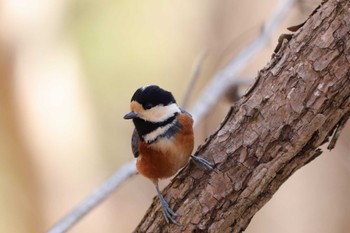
x=105 y=189
x=298 y=100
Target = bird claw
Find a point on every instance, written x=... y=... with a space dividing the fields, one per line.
x=168 y=213
x=202 y=162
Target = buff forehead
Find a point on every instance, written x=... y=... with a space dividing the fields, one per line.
x=136 y=107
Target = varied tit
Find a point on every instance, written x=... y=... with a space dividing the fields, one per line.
x=163 y=139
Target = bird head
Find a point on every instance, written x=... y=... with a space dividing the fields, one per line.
x=153 y=104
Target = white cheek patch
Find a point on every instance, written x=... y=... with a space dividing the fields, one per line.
x=160 y=113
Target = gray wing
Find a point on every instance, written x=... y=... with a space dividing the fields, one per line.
x=185 y=112
x=135 y=139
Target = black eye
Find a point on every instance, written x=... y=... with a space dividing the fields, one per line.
x=147 y=106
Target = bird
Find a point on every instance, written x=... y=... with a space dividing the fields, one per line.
x=163 y=139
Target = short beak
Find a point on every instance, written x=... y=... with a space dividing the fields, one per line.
x=130 y=115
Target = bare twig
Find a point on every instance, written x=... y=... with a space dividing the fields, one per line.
x=222 y=80
x=123 y=173
x=194 y=78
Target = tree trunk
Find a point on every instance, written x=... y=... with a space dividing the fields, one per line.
x=299 y=100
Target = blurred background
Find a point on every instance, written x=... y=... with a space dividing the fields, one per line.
x=68 y=69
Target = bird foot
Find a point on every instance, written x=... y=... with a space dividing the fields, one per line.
x=168 y=213
x=202 y=162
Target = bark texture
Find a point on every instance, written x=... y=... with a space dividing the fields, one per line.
x=299 y=100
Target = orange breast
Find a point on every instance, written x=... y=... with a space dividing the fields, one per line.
x=163 y=158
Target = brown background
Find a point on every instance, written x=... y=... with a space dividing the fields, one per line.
x=67 y=72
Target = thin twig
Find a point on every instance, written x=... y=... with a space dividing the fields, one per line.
x=95 y=198
x=222 y=80
x=194 y=78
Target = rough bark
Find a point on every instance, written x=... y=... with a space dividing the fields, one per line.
x=299 y=100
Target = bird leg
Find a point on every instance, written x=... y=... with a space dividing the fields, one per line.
x=202 y=162
x=168 y=213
